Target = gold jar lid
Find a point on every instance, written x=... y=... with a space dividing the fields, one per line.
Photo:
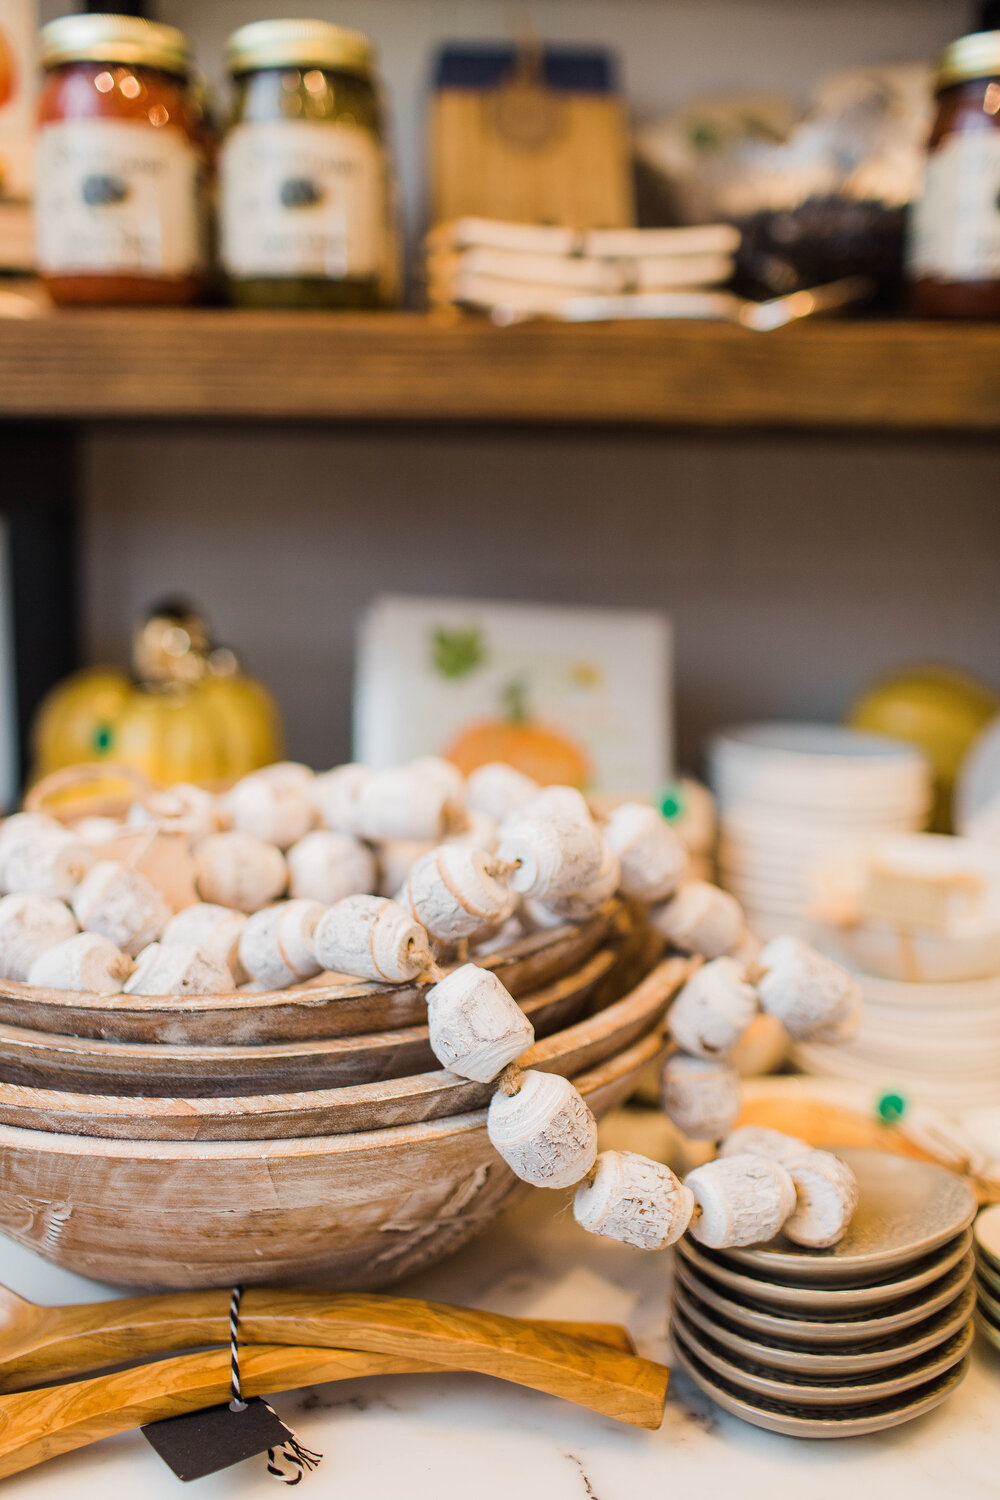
x=974 y=56
x=115 y=39
x=298 y=44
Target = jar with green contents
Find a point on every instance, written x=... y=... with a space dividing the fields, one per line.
x=303 y=171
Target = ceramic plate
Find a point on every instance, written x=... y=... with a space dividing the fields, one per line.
x=811 y=1298
x=987 y=1233
x=855 y=1359
x=837 y=1422
x=906 y=1209
x=990 y=1331
x=759 y=1319
x=757 y=1380
x=989 y=1277
x=988 y=1304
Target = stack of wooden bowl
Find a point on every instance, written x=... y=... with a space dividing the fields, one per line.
x=240 y=1138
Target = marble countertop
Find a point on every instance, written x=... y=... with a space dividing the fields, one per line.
x=455 y=1437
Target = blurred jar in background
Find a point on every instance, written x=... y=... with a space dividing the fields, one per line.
x=954 y=250
x=121 y=202
x=303 y=189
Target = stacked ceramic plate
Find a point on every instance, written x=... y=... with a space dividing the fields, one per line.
x=790 y=794
x=987 y=1246
x=839 y=1342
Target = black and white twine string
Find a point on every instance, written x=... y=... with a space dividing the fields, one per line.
x=299 y=1459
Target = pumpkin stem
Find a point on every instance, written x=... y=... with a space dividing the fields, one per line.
x=515 y=701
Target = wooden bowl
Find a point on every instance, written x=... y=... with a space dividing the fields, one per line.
x=308 y=1012
x=369 y=1106
x=357 y=1210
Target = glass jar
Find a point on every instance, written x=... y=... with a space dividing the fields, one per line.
x=303 y=172
x=120 y=200
x=953 y=258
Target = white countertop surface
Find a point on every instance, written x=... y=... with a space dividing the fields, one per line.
x=467 y=1437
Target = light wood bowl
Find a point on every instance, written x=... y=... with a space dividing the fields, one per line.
x=356 y=1211
x=369 y=1106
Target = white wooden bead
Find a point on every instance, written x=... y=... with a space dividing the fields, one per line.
x=400 y=803
x=635 y=1200
x=183 y=808
x=701 y=918
x=557 y=803
x=372 y=938
x=497 y=790
x=121 y=905
x=546 y=1133
x=583 y=903
x=327 y=866
x=826 y=1190
x=536 y=916
x=277 y=944
x=762 y=1048
x=447 y=776
x=744 y=1200
x=85 y=961
x=269 y=810
x=478 y=830
x=18 y=824
x=29 y=927
x=700 y=1096
x=99 y=830
x=214 y=930
x=810 y=994
x=335 y=795
x=713 y=1009
x=476 y=1027
x=396 y=859
x=653 y=857
x=288 y=774
x=239 y=870
x=553 y=858
x=45 y=862
x=174 y=969
x=455 y=891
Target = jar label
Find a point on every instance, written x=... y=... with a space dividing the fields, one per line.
x=118 y=197
x=301 y=198
x=955 y=228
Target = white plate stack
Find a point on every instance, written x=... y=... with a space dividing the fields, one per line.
x=791 y=794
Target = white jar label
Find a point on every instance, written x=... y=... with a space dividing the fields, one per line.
x=118 y=197
x=301 y=198
x=955 y=229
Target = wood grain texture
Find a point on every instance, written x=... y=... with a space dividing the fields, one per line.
x=207 y=363
x=358 y=1211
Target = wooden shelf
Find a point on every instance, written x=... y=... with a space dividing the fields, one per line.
x=214 y=363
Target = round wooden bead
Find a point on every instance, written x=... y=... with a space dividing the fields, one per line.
x=182 y=808
x=45 y=862
x=174 y=969
x=454 y=891
x=239 y=870
x=558 y=803
x=98 y=830
x=400 y=803
x=327 y=866
x=497 y=790
x=291 y=774
x=478 y=830
x=335 y=795
x=277 y=944
x=713 y=1010
x=537 y=916
x=810 y=994
x=396 y=859
x=121 y=905
x=826 y=1190
x=701 y=918
x=267 y=809
x=700 y=1096
x=553 y=858
x=581 y=904
x=546 y=1132
x=372 y=938
x=635 y=1200
x=448 y=777
x=653 y=857
x=476 y=1028
x=214 y=930
x=743 y=1200
x=85 y=961
x=29 y=926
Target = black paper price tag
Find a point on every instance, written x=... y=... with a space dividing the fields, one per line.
x=203 y=1442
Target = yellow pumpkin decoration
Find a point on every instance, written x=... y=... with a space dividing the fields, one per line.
x=188 y=714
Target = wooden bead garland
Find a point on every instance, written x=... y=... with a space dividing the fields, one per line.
x=270 y=810
x=545 y=1131
x=740 y=1200
x=327 y=866
x=442 y=773
x=583 y=903
x=826 y=1190
x=277 y=946
x=44 y=862
x=84 y=962
x=701 y=918
x=291 y=775
x=335 y=796
x=811 y=995
x=214 y=930
x=497 y=790
x=372 y=938
x=556 y=804
x=183 y=808
x=713 y=1010
x=552 y=858
x=456 y=891
x=121 y=905
x=239 y=870
x=701 y=1096
x=476 y=1028
x=29 y=926
x=175 y=969
x=635 y=1200
x=653 y=858
x=403 y=803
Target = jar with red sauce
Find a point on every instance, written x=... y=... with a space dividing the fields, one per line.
x=121 y=194
x=953 y=259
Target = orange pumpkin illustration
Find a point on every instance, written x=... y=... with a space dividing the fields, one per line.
x=539 y=750
x=8 y=70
